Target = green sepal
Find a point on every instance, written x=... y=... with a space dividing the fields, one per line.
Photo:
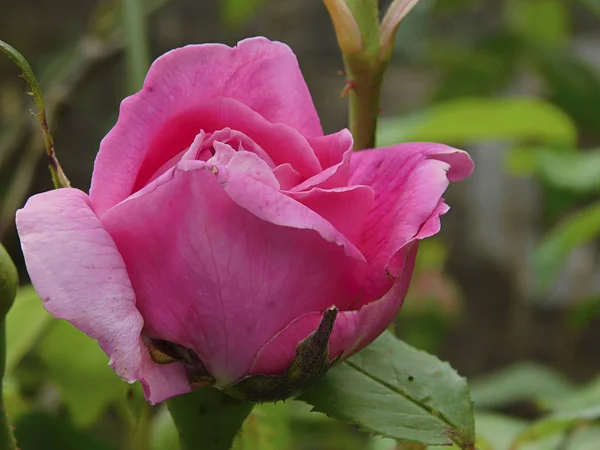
x=308 y=367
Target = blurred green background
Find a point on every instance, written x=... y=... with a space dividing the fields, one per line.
x=509 y=293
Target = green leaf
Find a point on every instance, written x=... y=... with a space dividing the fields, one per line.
x=576 y=230
x=498 y=430
x=546 y=433
x=576 y=171
x=379 y=443
x=9 y=282
x=15 y=403
x=539 y=21
x=583 y=312
x=586 y=438
x=571 y=411
x=592 y=5
x=572 y=84
x=80 y=370
x=38 y=430
x=395 y=391
x=235 y=13
x=25 y=324
x=471 y=120
x=574 y=401
x=163 y=432
x=517 y=383
x=479 y=71
x=523 y=160
x=267 y=428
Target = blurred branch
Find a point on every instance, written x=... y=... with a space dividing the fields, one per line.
x=104 y=40
x=136 y=43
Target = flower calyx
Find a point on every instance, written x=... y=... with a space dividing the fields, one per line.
x=311 y=363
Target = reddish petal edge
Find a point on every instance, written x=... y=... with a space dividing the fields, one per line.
x=80 y=277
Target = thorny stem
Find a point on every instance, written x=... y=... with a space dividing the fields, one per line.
x=58 y=176
x=364 y=86
x=365 y=73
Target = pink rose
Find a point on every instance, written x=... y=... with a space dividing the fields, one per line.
x=221 y=223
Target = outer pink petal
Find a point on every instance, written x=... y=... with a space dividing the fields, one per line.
x=232 y=264
x=81 y=277
x=352 y=331
x=408 y=180
x=345 y=208
x=174 y=105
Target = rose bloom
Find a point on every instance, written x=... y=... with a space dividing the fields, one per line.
x=221 y=222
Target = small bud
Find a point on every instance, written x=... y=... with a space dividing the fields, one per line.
x=346 y=28
x=390 y=23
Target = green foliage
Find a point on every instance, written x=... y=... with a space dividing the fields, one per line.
x=25 y=324
x=543 y=22
x=577 y=230
x=572 y=84
x=479 y=119
x=267 y=428
x=478 y=71
x=497 y=432
x=592 y=5
x=80 y=370
x=570 y=415
x=582 y=312
x=164 y=434
x=579 y=402
x=9 y=282
x=38 y=430
x=389 y=379
x=524 y=382
x=576 y=171
x=235 y=13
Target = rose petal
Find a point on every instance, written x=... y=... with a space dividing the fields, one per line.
x=353 y=330
x=330 y=149
x=244 y=162
x=345 y=208
x=81 y=277
x=235 y=262
x=178 y=100
x=287 y=176
x=334 y=152
x=408 y=180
